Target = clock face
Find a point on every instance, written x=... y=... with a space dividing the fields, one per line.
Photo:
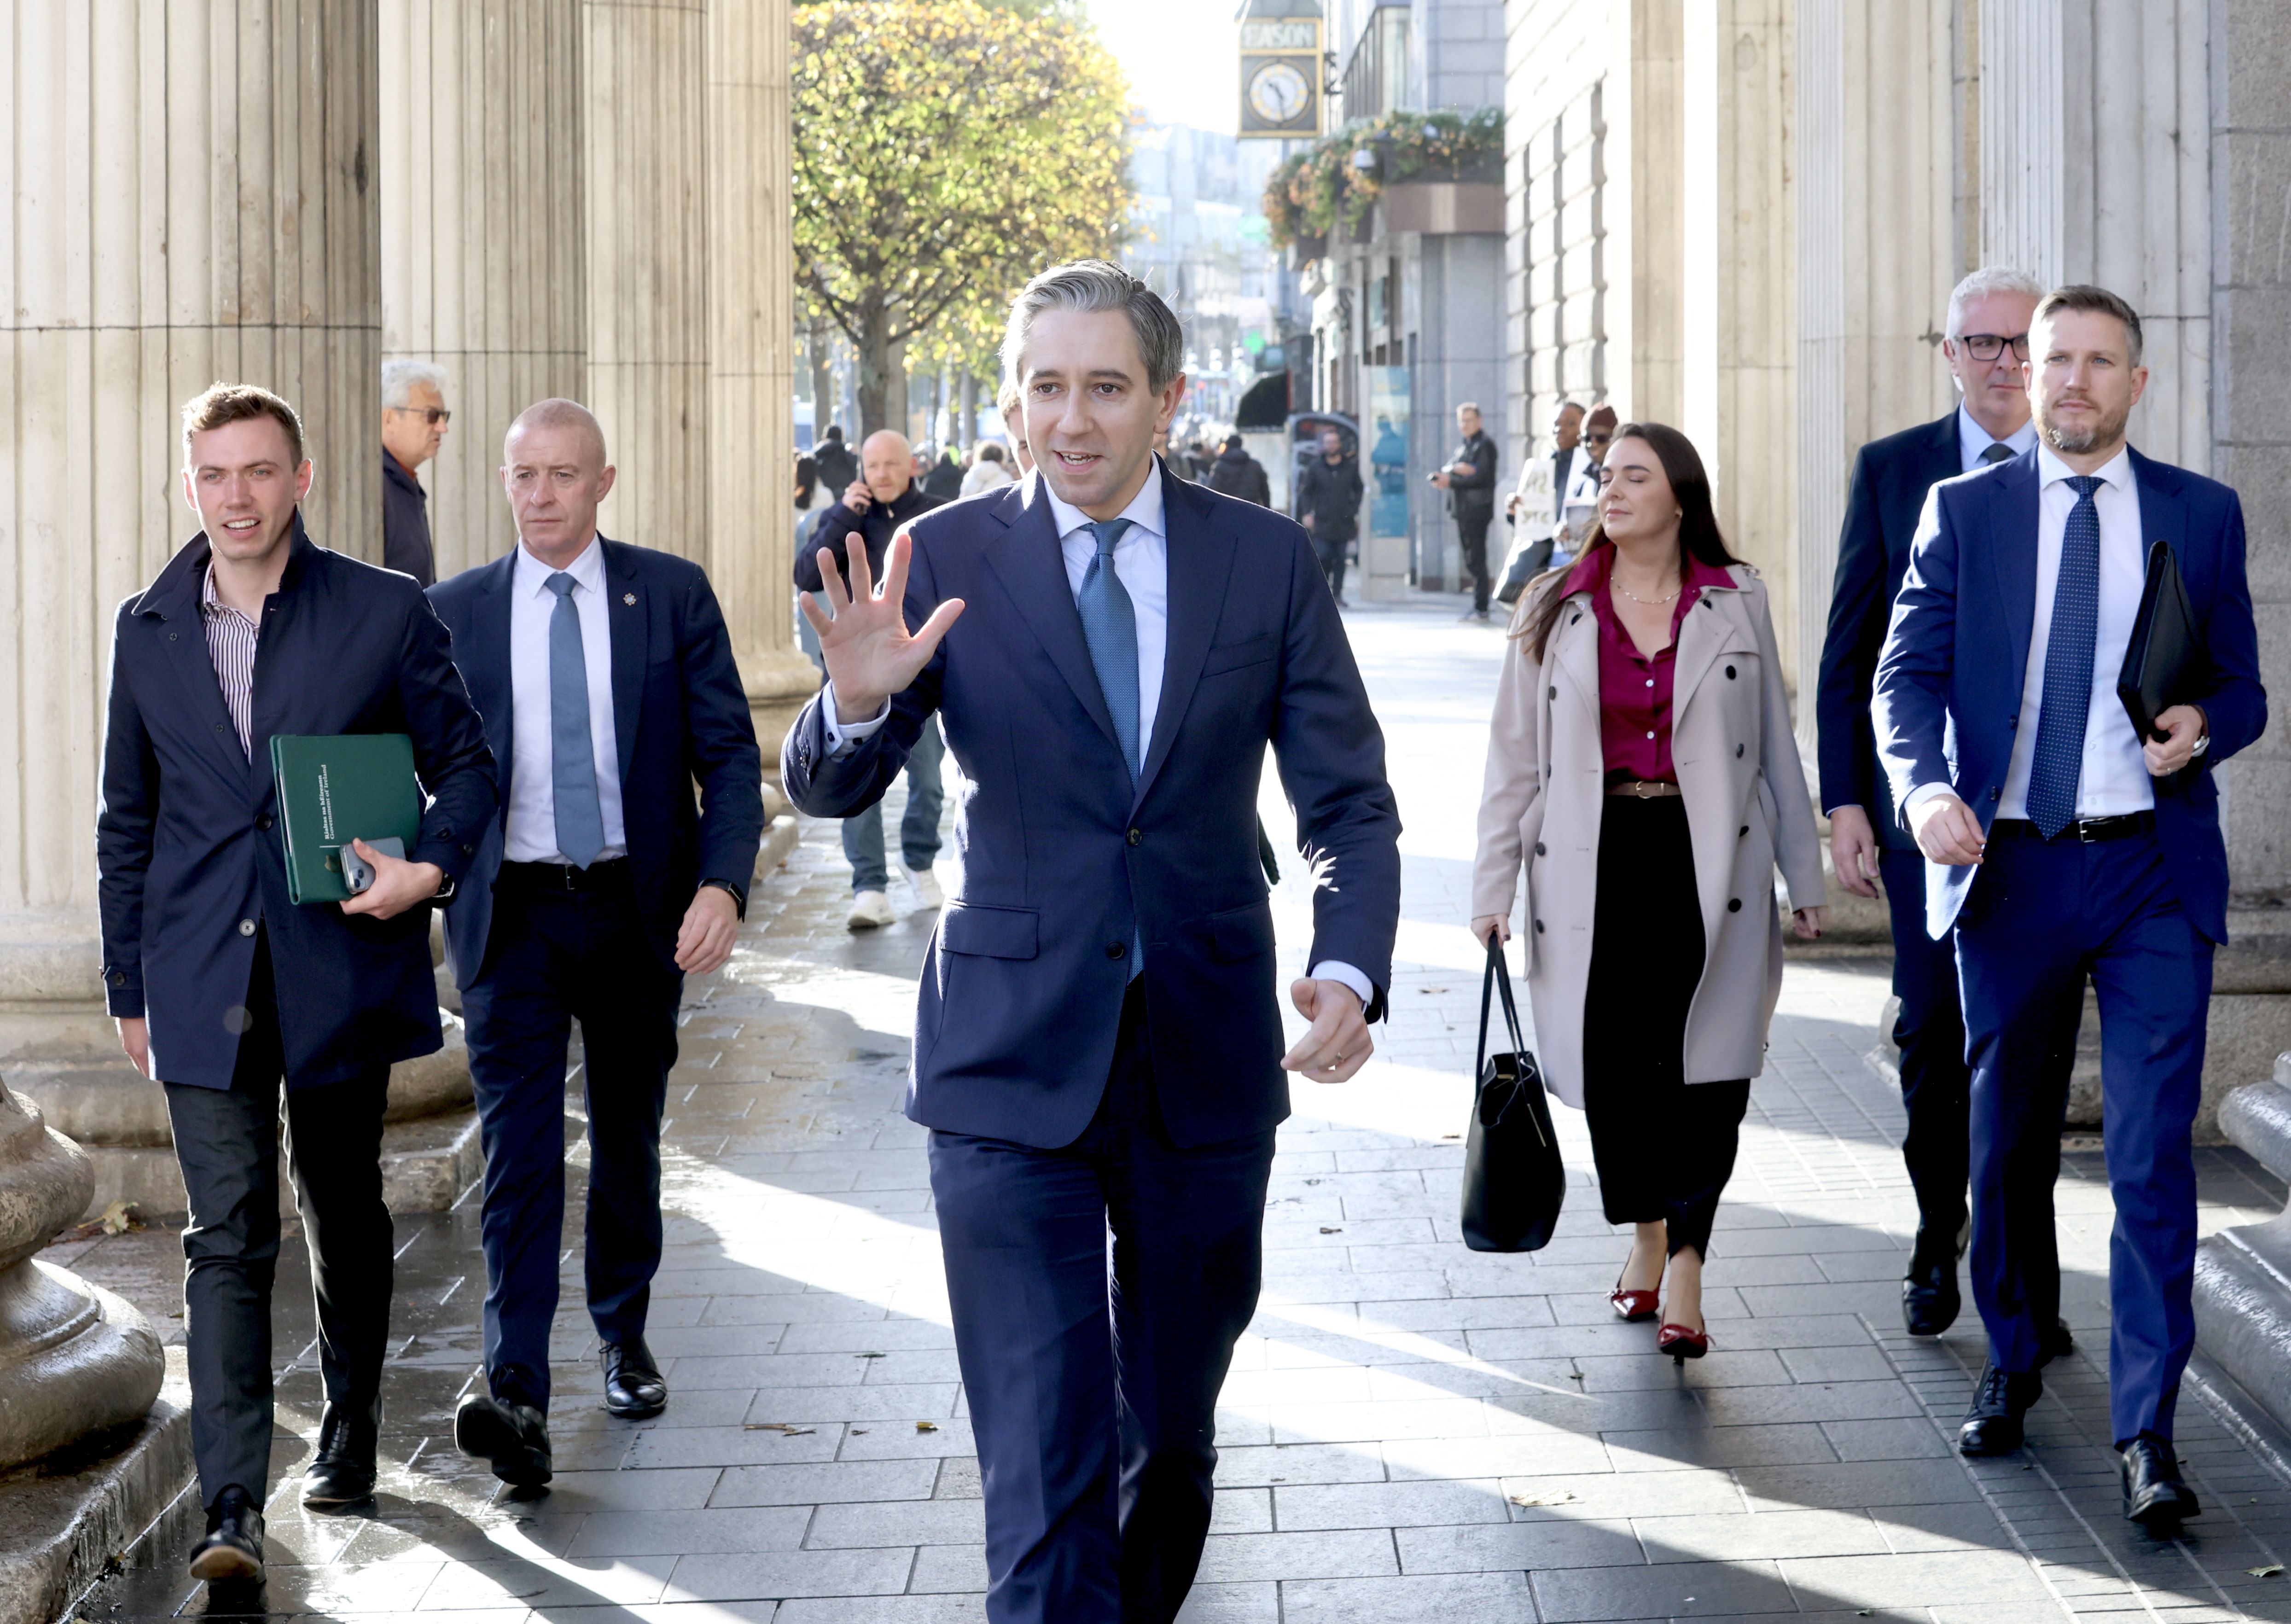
x=1278 y=94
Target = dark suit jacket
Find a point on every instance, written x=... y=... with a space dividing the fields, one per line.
x=1949 y=681
x=187 y=841
x=876 y=528
x=1891 y=477
x=1473 y=496
x=406 y=524
x=680 y=715
x=1066 y=862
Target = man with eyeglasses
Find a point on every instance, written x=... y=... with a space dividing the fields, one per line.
x=414 y=419
x=1986 y=347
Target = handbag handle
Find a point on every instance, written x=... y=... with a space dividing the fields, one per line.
x=1497 y=978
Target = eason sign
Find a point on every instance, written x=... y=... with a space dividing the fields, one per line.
x=1281 y=68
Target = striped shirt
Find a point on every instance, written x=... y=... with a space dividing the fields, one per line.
x=231 y=644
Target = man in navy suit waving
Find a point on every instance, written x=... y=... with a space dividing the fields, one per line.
x=2062 y=845
x=605 y=678
x=1097 y=1043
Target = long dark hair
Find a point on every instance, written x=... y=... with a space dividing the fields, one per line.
x=806 y=480
x=1698 y=524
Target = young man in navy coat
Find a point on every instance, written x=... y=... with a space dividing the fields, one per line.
x=605 y=678
x=221 y=984
x=1097 y=1043
x=1986 y=348
x=2061 y=845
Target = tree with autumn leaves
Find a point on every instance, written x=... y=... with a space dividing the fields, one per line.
x=945 y=152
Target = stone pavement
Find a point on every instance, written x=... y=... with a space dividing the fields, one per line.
x=1411 y=1431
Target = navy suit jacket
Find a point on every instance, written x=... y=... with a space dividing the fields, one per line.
x=1948 y=703
x=1891 y=477
x=187 y=843
x=1065 y=862
x=680 y=715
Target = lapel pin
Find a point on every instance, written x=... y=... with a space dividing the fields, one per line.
x=628 y=599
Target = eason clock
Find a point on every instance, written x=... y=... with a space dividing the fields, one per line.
x=1279 y=94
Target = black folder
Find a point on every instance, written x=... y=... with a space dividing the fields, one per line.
x=2160 y=662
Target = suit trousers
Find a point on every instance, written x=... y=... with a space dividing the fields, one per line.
x=1473 y=529
x=555 y=957
x=863 y=832
x=1092 y=1371
x=2044 y=915
x=1930 y=1034
x=1331 y=554
x=227 y=1143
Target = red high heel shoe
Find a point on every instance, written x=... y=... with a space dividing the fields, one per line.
x=1633 y=1306
x=1680 y=1343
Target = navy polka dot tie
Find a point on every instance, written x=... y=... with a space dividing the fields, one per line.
x=2068 y=667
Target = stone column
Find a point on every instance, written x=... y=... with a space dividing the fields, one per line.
x=481 y=236
x=192 y=197
x=1645 y=201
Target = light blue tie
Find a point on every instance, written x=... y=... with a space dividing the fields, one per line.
x=1109 y=625
x=2059 y=759
x=572 y=752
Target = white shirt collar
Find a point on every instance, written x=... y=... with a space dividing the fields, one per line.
x=1144 y=512
x=2117 y=472
x=587 y=571
x=1973 y=439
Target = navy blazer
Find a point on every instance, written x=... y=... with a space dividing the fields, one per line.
x=1949 y=685
x=1891 y=477
x=188 y=845
x=1065 y=862
x=680 y=715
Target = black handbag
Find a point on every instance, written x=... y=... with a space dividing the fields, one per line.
x=1514 y=1179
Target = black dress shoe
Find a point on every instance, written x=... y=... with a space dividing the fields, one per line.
x=634 y=1389
x=513 y=1439
x=343 y=1473
x=1930 y=1301
x=2154 y=1497
x=1992 y=1427
x=232 y=1547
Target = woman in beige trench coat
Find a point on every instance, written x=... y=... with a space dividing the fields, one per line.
x=1641 y=765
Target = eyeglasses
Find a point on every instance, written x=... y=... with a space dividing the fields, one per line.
x=432 y=416
x=1600 y=437
x=1989 y=346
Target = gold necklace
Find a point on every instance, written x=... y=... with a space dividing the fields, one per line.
x=1650 y=602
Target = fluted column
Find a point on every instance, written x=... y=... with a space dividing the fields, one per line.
x=191 y=196
x=481 y=233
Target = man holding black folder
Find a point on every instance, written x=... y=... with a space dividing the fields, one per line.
x=221 y=984
x=2061 y=845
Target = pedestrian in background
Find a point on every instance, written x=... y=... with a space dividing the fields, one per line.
x=990 y=470
x=1566 y=439
x=1327 y=505
x=1239 y=474
x=1014 y=424
x=838 y=468
x=1986 y=349
x=1579 y=504
x=597 y=890
x=876 y=507
x=414 y=419
x=811 y=499
x=1469 y=479
x=222 y=985
x=945 y=480
x=1641 y=765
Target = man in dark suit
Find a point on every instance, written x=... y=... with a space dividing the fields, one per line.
x=414 y=419
x=1986 y=347
x=1470 y=481
x=2061 y=845
x=221 y=984
x=605 y=678
x=1096 y=1038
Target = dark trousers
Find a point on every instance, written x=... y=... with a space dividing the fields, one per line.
x=2043 y=916
x=1095 y=1420
x=554 y=957
x=1473 y=528
x=863 y=832
x=1664 y=1146
x=1331 y=554
x=1930 y=1034
x=227 y=1142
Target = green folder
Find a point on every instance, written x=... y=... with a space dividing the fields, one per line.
x=337 y=789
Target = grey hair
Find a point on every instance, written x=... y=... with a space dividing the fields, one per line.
x=401 y=378
x=1988 y=279
x=1099 y=284
x=559 y=413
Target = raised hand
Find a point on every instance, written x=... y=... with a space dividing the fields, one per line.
x=864 y=644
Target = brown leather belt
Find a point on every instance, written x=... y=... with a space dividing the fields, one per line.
x=1640 y=789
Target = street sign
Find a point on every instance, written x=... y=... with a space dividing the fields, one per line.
x=1281 y=68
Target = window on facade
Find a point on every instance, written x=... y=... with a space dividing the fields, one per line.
x=1376 y=78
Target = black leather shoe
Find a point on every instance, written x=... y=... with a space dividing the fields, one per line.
x=343 y=1473
x=1992 y=1427
x=513 y=1439
x=1930 y=1301
x=2058 y=1345
x=232 y=1547
x=634 y=1389
x=2154 y=1497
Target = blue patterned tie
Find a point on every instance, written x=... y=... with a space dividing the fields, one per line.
x=1109 y=625
x=572 y=752
x=2068 y=667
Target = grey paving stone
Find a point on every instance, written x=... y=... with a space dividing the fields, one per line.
x=1776 y=1443
x=1702 y=1589
x=1509 y=1547
x=1390 y=1505
x=1877 y=1484
x=1331 y=1554
x=783 y=1573
x=815 y=1484
x=692 y=1530
x=1429 y=1599
x=888 y=1523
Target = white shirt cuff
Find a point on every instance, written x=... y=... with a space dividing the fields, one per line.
x=1925 y=792
x=844 y=737
x=1333 y=970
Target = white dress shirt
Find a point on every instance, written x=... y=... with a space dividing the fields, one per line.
x=1973 y=439
x=2113 y=779
x=532 y=830
x=1141 y=563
